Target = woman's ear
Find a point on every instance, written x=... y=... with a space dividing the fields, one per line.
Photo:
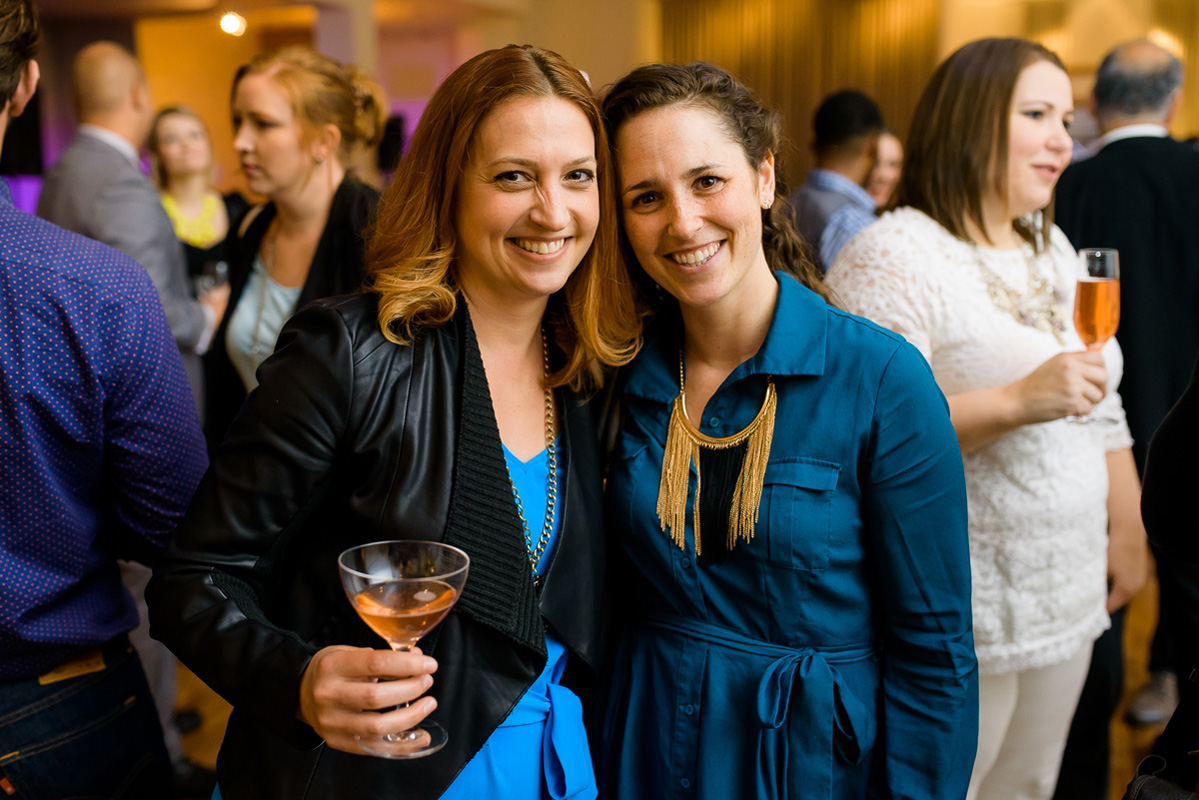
x=326 y=144
x=766 y=179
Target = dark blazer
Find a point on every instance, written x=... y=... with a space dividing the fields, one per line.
x=235 y=208
x=337 y=268
x=94 y=190
x=1141 y=196
x=349 y=439
x=1171 y=475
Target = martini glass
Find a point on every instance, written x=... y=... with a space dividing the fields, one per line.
x=402 y=590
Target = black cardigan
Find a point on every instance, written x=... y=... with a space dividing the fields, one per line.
x=337 y=268
x=351 y=439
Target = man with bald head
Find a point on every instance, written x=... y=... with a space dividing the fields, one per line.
x=97 y=189
x=1140 y=195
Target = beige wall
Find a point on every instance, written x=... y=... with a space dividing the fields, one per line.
x=1082 y=31
x=190 y=61
x=604 y=39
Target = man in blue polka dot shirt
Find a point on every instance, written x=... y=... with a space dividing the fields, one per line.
x=100 y=451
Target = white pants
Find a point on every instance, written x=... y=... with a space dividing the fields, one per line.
x=1023 y=721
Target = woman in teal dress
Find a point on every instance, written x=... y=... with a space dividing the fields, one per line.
x=806 y=631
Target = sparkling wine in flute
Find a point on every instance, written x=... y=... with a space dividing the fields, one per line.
x=1096 y=300
x=1097 y=310
x=402 y=590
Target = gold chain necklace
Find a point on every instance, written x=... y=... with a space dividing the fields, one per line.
x=552 y=482
x=683 y=445
x=1040 y=306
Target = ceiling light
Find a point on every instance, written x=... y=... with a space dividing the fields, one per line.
x=233 y=24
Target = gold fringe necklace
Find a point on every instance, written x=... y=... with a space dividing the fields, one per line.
x=737 y=503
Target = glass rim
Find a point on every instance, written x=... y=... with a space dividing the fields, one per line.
x=341 y=564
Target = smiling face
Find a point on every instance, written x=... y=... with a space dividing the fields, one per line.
x=267 y=138
x=182 y=146
x=1039 y=144
x=692 y=206
x=527 y=204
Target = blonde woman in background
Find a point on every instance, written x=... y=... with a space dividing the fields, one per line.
x=182 y=160
x=297 y=116
x=363 y=163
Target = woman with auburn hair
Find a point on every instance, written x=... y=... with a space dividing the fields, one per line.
x=971 y=270
x=297 y=116
x=446 y=404
x=787 y=494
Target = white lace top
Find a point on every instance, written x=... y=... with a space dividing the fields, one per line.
x=1038 y=495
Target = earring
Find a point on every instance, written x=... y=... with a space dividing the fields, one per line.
x=318 y=160
x=766 y=204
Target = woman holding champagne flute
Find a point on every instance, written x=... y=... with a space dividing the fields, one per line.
x=972 y=272
x=443 y=405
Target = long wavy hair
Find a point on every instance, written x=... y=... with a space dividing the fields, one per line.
x=411 y=251
x=958 y=145
x=753 y=126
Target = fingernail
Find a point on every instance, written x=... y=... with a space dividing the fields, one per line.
x=426 y=680
x=429 y=704
x=430 y=664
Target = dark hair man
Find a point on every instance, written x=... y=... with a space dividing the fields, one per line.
x=100 y=451
x=833 y=205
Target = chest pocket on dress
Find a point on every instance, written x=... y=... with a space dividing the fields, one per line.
x=797 y=497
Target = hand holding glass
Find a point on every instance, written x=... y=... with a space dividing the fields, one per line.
x=213 y=275
x=1097 y=300
x=402 y=590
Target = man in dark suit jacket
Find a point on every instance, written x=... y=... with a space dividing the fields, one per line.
x=97 y=189
x=1140 y=195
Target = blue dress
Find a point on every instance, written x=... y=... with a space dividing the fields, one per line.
x=540 y=750
x=832 y=655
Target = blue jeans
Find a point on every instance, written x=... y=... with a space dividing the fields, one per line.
x=92 y=736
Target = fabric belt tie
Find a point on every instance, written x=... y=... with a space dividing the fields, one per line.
x=565 y=756
x=822 y=703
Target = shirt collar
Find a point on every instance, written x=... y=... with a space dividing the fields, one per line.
x=836 y=182
x=114 y=140
x=795 y=345
x=1128 y=132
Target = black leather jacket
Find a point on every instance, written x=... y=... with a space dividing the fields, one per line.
x=336 y=269
x=351 y=439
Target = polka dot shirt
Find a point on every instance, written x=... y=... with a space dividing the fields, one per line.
x=100 y=448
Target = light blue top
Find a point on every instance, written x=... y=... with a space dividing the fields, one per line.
x=540 y=750
x=846 y=220
x=259 y=316
x=830 y=657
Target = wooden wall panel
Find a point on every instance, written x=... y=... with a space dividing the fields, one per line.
x=794 y=52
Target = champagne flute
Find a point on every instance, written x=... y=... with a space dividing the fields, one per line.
x=1096 y=301
x=402 y=590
